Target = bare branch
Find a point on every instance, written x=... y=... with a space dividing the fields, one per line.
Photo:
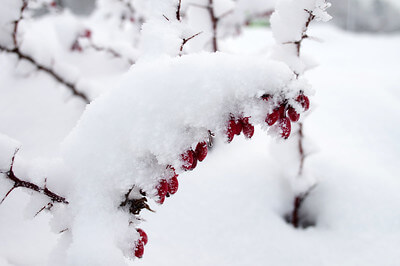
x=71 y=86
x=16 y=23
x=185 y=40
x=166 y=17
x=25 y=184
x=178 y=11
x=110 y=51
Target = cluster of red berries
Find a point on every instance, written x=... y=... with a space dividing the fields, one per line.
x=167 y=187
x=285 y=113
x=139 y=248
x=236 y=126
x=76 y=45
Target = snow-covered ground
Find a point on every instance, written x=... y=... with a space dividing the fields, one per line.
x=229 y=211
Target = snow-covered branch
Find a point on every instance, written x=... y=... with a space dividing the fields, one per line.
x=29 y=185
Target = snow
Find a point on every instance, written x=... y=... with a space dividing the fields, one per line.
x=135 y=149
x=230 y=210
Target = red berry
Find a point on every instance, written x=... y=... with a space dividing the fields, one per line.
x=139 y=249
x=194 y=164
x=272 y=117
x=304 y=101
x=173 y=185
x=87 y=34
x=285 y=126
x=188 y=159
x=238 y=127
x=53 y=4
x=248 y=129
x=201 y=151
x=162 y=190
x=143 y=235
x=293 y=115
x=230 y=132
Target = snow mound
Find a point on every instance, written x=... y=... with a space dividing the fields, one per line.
x=130 y=135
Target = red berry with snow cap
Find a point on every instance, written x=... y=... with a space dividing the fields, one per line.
x=201 y=151
x=143 y=236
x=162 y=190
x=285 y=127
x=293 y=115
x=273 y=117
x=173 y=185
x=248 y=129
x=238 y=127
x=139 y=249
x=304 y=101
x=230 y=131
x=194 y=164
x=188 y=160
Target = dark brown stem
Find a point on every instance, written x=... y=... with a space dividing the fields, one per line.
x=110 y=51
x=301 y=149
x=298 y=200
x=16 y=23
x=25 y=184
x=185 y=40
x=178 y=10
x=71 y=86
x=214 y=21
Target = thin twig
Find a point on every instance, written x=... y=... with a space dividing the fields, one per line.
x=178 y=10
x=16 y=23
x=185 y=40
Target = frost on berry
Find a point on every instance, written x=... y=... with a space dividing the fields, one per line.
x=201 y=151
x=248 y=129
x=272 y=117
x=285 y=127
x=194 y=164
x=173 y=185
x=188 y=160
x=230 y=131
x=238 y=127
x=139 y=249
x=162 y=190
x=293 y=115
x=143 y=236
x=304 y=101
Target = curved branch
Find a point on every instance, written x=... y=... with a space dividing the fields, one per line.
x=71 y=86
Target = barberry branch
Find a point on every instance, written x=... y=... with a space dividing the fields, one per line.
x=51 y=72
x=185 y=40
x=299 y=199
x=111 y=51
x=214 y=21
x=16 y=23
x=25 y=184
x=178 y=10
